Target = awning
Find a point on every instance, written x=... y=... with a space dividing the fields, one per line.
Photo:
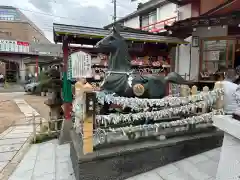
x=91 y=35
x=224 y=8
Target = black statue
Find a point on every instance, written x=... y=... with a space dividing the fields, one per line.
x=121 y=80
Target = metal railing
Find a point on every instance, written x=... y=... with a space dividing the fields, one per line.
x=159 y=26
x=45 y=127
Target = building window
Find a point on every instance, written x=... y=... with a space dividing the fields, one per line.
x=8 y=15
x=153 y=17
x=148 y=19
x=145 y=21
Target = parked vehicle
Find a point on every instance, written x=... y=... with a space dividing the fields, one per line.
x=31 y=86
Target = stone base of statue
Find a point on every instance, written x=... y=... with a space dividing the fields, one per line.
x=120 y=162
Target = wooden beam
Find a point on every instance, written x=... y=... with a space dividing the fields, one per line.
x=232 y=19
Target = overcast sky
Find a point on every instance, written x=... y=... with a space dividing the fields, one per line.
x=96 y=13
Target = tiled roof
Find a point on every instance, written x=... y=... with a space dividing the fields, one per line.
x=60 y=29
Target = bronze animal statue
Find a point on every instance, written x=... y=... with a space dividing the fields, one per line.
x=121 y=80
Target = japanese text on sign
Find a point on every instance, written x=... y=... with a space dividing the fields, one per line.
x=81 y=63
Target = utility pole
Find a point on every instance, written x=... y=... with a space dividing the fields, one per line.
x=114 y=11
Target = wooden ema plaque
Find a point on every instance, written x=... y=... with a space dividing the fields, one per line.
x=89 y=116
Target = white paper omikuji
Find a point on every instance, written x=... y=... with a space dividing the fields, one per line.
x=138 y=104
x=179 y=124
x=153 y=115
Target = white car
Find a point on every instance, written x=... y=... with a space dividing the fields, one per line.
x=31 y=87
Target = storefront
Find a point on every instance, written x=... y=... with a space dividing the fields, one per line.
x=215 y=44
x=216 y=53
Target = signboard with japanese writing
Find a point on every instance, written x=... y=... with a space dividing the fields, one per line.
x=69 y=70
x=14 y=46
x=80 y=65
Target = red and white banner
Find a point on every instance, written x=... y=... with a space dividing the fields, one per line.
x=14 y=46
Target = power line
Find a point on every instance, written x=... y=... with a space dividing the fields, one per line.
x=46 y=14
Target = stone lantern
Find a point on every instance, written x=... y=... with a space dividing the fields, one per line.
x=54 y=101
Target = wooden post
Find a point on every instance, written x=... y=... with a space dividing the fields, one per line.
x=34 y=128
x=184 y=91
x=194 y=93
x=205 y=91
x=41 y=125
x=89 y=117
x=219 y=102
x=79 y=101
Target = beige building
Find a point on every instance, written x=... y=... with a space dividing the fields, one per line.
x=14 y=25
x=16 y=28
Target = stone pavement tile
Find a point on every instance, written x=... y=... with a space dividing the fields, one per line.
x=216 y=158
x=63 y=150
x=44 y=167
x=60 y=159
x=46 y=154
x=212 y=178
x=24 y=166
x=12 y=147
x=32 y=152
x=48 y=145
x=46 y=151
x=197 y=158
x=22 y=131
x=27 y=128
x=7 y=156
x=2 y=165
x=63 y=153
x=50 y=176
x=64 y=171
x=151 y=175
x=189 y=168
x=177 y=175
x=6 y=132
x=212 y=153
x=208 y=167
x=17 y=135
x=12 y=141
x=166 y=170
x=26 y=176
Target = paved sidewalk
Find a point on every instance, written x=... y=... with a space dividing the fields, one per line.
x=25 y=108
x=15 y=140
x=45 y=161
x=12 y=88
x=50 y=161
x=200 y=167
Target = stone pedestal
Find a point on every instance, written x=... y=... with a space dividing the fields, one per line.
x=229 y=164
x=120 y=162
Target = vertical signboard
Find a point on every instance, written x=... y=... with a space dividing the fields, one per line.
x=69 y=70
x=80 y=65
x=89 y=116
